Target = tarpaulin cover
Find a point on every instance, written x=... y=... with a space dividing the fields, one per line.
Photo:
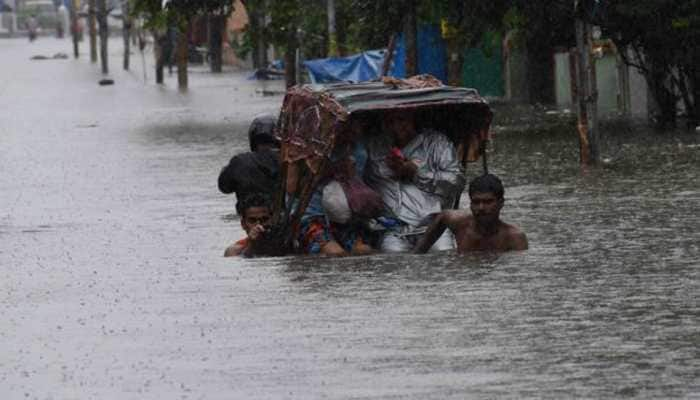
x=365 y=66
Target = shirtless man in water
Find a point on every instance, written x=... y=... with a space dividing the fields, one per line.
x=483 y=229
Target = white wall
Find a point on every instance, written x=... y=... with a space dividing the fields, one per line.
x=608 y=86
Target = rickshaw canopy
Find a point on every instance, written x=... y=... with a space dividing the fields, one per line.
x=314 y=118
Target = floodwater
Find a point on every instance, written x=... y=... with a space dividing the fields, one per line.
x=112 y=283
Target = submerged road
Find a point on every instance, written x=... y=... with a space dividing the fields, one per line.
x=112 y=284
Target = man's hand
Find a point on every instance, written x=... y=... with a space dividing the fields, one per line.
x=256 y=232
x=403 y=169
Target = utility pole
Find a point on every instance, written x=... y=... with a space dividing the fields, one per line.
x=586 y=97
x=332 y=36
x=102 y=23
x=92 y=30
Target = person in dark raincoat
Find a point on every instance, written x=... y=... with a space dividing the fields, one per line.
x=256 y=171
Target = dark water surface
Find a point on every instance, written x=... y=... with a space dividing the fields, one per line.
x=112 y=284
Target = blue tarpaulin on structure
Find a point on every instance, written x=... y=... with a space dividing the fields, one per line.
x=366 y=66
x=361 y=67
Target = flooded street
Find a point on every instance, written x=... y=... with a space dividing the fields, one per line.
x=113 y=284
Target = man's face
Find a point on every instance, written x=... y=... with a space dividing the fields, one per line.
x=255 y=216
x=486 y=207
x=401 y=127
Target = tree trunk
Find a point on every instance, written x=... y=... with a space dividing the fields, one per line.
x=332 y=36
x=540 y=72
x=216 y=30
x=254 y=32
x=104 y=34
x=695 y=84
x=92 y=30
x=158 y=53
x=127 y=33
x=257 y=37
x=290 y=72
x=389 y=56
x=182 y=50
x=261 y=44
x=74 y=28
x=586 y=97
x=687 y=88
x=455 y=61
x=663 y=98
x=411 y=38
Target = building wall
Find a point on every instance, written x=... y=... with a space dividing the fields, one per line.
x=235 y=26
x=614 y=96
x=607 y=85
x=562 y=80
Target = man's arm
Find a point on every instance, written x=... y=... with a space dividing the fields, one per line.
x=441 y=172
x=518 y=240
x=446 y=219
x=234 y=250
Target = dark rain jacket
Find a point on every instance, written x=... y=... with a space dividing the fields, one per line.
x=254 y=172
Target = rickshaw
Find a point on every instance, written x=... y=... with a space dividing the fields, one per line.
x=314 y=120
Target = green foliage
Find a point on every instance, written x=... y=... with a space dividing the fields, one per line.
x=663 y=36
x=243 y=47
x=369 y=24
x=177 y=12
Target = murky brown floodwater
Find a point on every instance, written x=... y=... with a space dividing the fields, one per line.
x=112 y=284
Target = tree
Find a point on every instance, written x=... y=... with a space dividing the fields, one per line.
x=660 y=38
x=254 y=37
x=179 y=14
x=547 y=24
x=294 y=25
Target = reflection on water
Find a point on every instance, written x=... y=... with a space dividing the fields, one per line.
x=113 y=284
